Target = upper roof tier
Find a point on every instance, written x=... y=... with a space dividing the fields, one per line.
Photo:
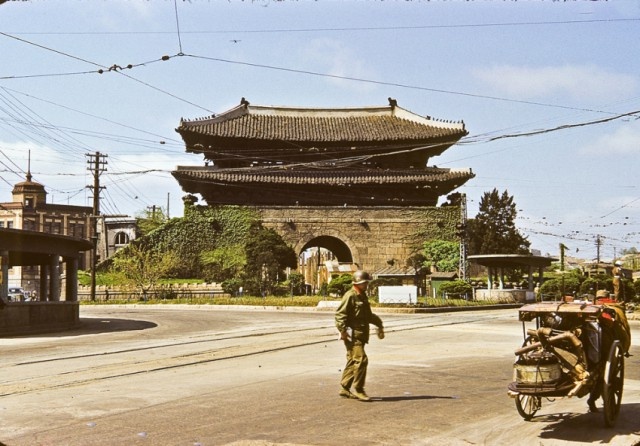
x=252 y=134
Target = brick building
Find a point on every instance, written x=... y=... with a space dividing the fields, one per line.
x=30 y=211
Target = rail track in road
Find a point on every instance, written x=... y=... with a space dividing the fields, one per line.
x=46 y=371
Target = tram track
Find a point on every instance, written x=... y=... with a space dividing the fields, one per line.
x=48 y=373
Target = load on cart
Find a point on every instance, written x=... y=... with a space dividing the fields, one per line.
x=571 y=349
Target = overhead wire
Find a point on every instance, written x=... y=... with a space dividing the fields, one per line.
x=118 y=69
x=340 y=29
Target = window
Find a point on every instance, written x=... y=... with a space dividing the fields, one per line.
x=121 y=238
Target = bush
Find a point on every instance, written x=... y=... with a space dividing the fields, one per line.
x=556 y=287
x=340 y=285
x=460 y=289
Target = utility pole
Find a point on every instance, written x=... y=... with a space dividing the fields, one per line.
x=462 y=233
x=97 y=164
x=598 y=244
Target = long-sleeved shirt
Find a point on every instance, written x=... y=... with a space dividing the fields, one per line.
x=355 y=312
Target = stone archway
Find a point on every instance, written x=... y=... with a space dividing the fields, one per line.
x=375 y=237
x=336 y=245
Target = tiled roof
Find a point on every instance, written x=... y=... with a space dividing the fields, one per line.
x=443 y=275
x=390 y=123
x=395 y=271
x=286 y=176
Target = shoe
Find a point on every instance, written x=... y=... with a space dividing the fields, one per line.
x=361 y=395
x=344 y=393
x=592 y=406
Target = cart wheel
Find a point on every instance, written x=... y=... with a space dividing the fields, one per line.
x=613 y=383
x=528 y=405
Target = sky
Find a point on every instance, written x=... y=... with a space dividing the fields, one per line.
x=548 y=90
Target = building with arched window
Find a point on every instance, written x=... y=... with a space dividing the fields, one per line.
x=30 y=211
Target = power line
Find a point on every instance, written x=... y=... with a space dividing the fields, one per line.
x=49 y=49
x=337 y=29
x=175 y=4
x=391 y=84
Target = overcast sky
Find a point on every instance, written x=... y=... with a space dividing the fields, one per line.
x=547 y=91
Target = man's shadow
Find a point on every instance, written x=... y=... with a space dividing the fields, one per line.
x=391 y=399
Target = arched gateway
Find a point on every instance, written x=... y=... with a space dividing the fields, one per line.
x=354 y=181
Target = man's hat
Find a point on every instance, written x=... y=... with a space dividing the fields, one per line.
x=361 y=277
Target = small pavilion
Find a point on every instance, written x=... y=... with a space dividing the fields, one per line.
x=45 y=253
x=500 y=262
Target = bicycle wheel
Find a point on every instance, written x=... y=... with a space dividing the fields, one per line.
x=528 y=405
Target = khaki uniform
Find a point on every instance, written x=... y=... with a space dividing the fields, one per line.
x=354 y=315
x=617 y=283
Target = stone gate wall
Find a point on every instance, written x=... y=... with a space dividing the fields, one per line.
x=375 y=236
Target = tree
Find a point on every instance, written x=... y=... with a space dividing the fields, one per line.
x=150 y=219
x=267 y=257
x=493 y=231
x=223 y=263
x=144 y=268
x=444 y=255
x=296 y=283
x=340 y=285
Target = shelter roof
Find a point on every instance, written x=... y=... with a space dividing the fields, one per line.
x=386 y=123
x=511 y=260
x=33 y=247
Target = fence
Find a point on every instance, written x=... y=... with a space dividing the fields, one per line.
x=183 y=292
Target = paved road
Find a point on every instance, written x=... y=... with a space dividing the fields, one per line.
x=195 y=376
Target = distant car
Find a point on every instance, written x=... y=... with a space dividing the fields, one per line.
x=16 y=294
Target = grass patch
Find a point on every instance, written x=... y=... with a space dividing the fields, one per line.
x=275 y=301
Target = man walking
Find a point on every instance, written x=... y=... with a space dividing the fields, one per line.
x=353 y=317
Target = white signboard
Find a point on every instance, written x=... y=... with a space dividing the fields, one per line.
x=407 y=294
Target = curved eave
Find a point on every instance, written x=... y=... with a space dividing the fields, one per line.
x=315 y=177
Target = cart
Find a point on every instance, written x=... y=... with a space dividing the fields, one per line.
x=570 y=349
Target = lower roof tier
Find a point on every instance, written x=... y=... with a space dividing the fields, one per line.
x=287 y=187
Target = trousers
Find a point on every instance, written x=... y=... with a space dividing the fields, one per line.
x=355 y=371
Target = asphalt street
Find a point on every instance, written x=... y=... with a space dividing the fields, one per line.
x=200 y=376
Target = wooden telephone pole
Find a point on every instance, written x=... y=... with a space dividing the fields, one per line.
x=97 y=164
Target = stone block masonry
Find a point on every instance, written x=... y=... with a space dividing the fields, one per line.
x=373 y=237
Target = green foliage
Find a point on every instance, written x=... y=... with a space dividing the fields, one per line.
x=223 y=263
x=340 y=285
x=109 y=278
x=596 y=282
x=267 y=257
x=636 y=290
x=493 y=231
x=437 y=223
x=456 y=288
x=150 y=220
x=443 y=254
x=559 y=286
x=233 y=286
x=203 y=229
x=143 y=268
x=296 y=284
